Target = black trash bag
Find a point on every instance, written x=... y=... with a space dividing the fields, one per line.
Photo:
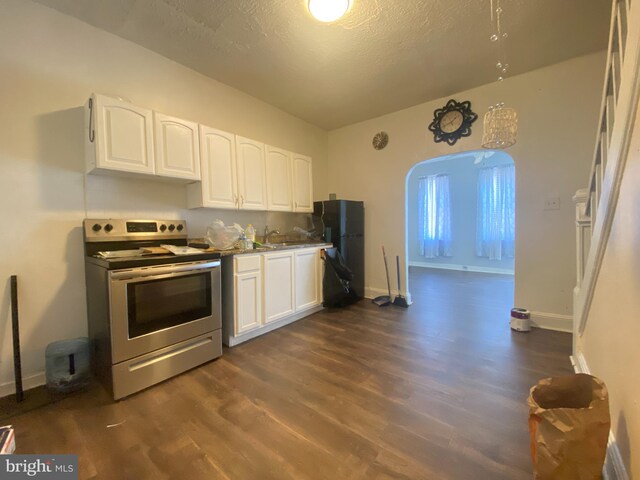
x=336 y=288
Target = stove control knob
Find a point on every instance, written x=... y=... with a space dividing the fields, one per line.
x=96 y=227
x=163 y=228
x=180 y=227
x=172 y=227
x=108 y=227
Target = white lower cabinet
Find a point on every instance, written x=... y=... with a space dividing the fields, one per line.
x=278 y=285
x=308 y=288
x=247 y=303
x=262 y=292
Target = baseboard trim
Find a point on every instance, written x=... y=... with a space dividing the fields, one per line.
x=552 y=321
x=462 y=268
x=32 y=381
x=579 y=363
x=614 y=468
x=243 y=337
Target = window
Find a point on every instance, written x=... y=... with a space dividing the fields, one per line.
x=434 y=216
x=495 y=236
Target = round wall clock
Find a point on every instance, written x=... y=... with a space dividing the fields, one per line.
x=452 y=122
x=380 y=140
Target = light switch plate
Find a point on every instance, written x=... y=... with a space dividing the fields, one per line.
x=552 y=203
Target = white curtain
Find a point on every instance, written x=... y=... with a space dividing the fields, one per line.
x=495 y=236
x=434 y=216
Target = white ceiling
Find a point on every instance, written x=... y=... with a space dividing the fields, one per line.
x=384 y=55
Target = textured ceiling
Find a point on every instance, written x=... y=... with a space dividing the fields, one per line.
x=382 y=56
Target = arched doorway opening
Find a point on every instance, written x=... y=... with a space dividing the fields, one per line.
x=460 y=215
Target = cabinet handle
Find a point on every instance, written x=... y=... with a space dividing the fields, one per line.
x=92 y=132
x=241 y=200
x=236 y=200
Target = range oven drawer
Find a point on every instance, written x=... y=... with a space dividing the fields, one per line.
x=141 y=372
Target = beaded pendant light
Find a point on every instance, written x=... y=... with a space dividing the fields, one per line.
x=500 y=122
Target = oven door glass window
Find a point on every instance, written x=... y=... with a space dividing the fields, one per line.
x=158 y=304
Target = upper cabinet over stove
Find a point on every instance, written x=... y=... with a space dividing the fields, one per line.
x=119 y=137
x=223 y=170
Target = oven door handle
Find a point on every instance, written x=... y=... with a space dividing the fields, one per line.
x=184 y=269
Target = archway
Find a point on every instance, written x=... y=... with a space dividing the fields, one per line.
x=470 y=179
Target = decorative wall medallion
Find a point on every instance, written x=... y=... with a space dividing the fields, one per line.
x=380 y=140
x=452 y=122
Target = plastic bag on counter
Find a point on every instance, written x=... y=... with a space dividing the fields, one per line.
x=222 y=237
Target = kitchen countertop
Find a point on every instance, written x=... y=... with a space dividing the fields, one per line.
x=277 y=248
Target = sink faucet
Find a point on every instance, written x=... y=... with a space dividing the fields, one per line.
x=268 y=233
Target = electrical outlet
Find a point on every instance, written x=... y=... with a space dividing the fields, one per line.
x=552 y=203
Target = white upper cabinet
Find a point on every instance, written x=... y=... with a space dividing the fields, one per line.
x=218 y=188
x=223 y=170
x=279 y=181
x=176 y=147
x=252 y=184
x=119 y=137
x=302 y=183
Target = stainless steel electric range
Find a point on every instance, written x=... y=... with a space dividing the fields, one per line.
x=151 y=316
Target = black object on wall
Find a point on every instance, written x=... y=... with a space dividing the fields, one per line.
x=15 y=326
x=345 y=219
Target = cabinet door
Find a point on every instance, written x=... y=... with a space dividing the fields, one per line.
x=279 y=194
x=123 y=136
x=252 y=184
x=308 y=279
x=219 y=179
x=278 y=286
x=248 y=301
x=302 y=183
x=176 y=147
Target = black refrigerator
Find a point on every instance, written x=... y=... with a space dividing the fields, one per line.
x=345 y=218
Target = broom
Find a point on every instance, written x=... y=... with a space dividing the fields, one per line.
x=399 y=301
x=384 y=300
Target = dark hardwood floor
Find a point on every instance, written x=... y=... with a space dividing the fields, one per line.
x=437 y=391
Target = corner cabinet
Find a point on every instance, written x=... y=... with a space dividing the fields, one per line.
x=252 y=184
x=176 y=147
x=219 y=185
x=302 y=183
x=263 y=292
x=119 y=137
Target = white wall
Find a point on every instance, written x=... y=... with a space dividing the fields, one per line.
x=50 y=64
x=558 y=108
x=463 y=193
x=611 y=336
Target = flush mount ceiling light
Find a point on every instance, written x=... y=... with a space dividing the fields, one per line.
x=328 y=10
